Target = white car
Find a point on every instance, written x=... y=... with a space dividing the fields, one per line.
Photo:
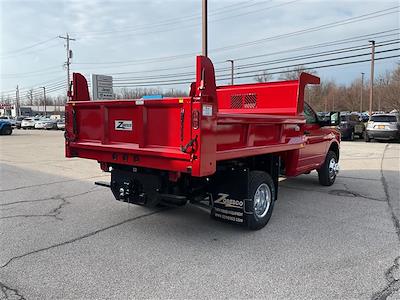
x=9 y=119
x=29 y=123
x=45 y=124
x=383 y=127
x=61 y=124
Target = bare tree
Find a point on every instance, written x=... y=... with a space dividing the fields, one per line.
x=294 y=73
x=136 y=93
x=264 y=76
x=29 y=96
x=389 y=90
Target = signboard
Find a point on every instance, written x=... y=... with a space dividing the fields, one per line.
x=6 y=106
x=102 y=87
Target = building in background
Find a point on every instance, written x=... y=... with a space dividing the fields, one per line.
x=51 y=110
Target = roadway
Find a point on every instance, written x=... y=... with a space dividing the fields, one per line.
x=62 y=237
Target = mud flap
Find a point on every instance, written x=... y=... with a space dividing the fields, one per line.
x=229 y=192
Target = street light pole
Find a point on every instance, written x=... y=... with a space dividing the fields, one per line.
x=371 y=84
x=232 y=67
x=204 y=28
x=361 y=94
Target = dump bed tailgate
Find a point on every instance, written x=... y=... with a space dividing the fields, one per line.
x=130 y=131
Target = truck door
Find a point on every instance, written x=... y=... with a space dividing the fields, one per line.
x=313 y=153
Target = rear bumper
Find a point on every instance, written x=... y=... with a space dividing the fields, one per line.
x=383 y=134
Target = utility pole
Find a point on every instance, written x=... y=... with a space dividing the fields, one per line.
x=371 y=84
x=361 y=92
x=44 y=100
x=69 y=56
x=17 y=107
x=204 y=29
x=232 y=66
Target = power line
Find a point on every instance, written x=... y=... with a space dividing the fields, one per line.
x=329 y=25
x=255 y=72
x=33 y=51
x=30 y=72
x=325 y=66
x=36 y=90
x=358 y=38
x=281 y=60
x=320 y=45
x=318 y=61
x=143 y=79
x=274 y=73
x=359 y=18
x=56 y=80
x=363 y=17
x=318 y=54
x=249 y=76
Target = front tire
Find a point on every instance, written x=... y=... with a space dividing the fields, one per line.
x=7 y=131
x=262 y=193
x=328 y=171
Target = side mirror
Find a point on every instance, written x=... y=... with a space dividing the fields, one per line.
x=333 y=120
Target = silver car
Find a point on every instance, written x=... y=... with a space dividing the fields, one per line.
x=46 y=124
x=383 y=127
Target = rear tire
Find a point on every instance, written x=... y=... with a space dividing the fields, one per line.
x=262 y=193
x=351 y=137
x=327 y=173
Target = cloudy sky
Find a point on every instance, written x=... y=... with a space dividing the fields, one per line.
x=152 y=42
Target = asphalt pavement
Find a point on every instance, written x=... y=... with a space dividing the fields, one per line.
x=62 y=237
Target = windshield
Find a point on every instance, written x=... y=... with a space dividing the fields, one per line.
x=3 y=118
x=343 y=118
x=384 y=118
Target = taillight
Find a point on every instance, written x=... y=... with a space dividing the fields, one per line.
x=195 y=119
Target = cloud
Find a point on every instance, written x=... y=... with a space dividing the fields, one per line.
x=131 y=30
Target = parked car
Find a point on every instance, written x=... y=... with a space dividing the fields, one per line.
x=29 y=123
x=18 y=121
x=11 y=120
x=350 y=126
x=383 y=127
x=61 y=124
x=46 y=124
x=364 y=117
x=323 y=116
x=5 y=127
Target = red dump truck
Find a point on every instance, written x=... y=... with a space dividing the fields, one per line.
x=222 y=146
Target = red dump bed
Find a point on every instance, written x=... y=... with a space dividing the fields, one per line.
x=188 y=134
